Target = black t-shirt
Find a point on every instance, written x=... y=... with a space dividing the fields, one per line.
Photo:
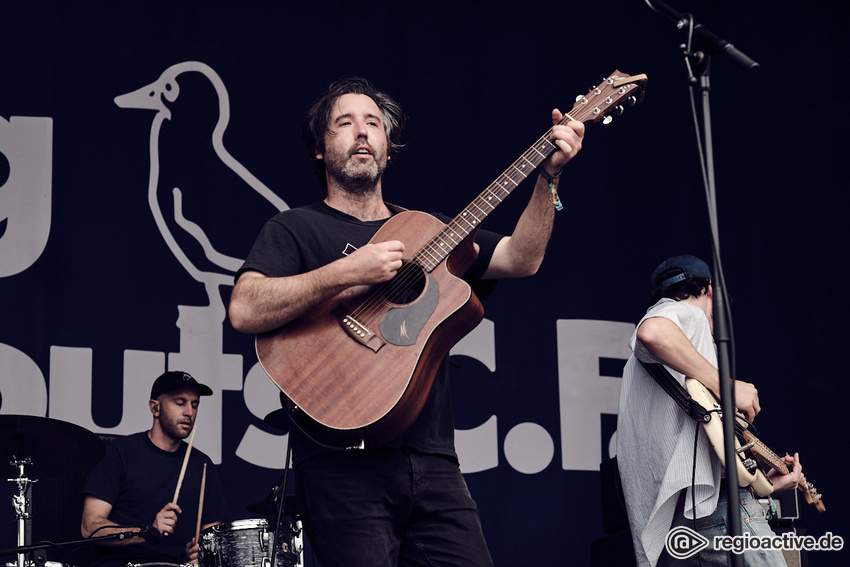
x=138 y=478
x=304 y=239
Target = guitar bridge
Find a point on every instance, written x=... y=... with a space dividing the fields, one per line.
x=357 y=330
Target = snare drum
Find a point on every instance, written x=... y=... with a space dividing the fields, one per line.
x=248 y=543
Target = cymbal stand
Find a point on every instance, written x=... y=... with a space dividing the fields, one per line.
x=21 y=502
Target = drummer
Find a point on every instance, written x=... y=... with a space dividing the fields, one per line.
x=135 y=487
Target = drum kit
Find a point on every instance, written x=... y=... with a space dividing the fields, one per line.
x=40 y=447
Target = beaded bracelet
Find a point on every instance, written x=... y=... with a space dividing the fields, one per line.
x=553 y=193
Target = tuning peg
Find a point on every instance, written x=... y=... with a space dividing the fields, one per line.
x=581 y=98
x=619 y=109
x=632 y=100
x=607 y=120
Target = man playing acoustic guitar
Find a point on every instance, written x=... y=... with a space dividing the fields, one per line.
x=655 y=437
x=402 y=500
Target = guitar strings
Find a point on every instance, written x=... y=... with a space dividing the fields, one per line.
x=433 y=252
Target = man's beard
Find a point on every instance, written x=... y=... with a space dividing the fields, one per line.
x=354 y=178
x=174 y=431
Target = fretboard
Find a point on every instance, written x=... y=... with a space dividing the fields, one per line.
x=593 y=107
x=471 y=217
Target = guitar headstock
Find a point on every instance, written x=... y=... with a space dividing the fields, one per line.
x=608 y=97
x=811 y=494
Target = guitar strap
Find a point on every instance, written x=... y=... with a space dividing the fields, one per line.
x=676 y=391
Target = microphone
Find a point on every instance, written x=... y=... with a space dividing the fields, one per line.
x=720 y=45
x=149 y=533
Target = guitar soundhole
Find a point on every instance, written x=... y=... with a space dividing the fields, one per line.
x=407 y=285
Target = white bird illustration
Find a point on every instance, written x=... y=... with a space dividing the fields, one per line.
x=161 y=96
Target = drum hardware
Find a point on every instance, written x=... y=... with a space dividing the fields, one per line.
x=21 y=503
x=40 y=447
x=39 y=560
x=278 y=503
x=268 y=508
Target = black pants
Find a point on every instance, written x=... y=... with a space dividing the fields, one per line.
x=389 y=507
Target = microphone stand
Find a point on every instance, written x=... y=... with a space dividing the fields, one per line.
x=698 y=64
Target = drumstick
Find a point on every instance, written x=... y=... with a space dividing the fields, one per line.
x=183 y=468
x=201 y=503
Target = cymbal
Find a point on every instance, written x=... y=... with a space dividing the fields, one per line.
x=55 y=447
x=278 y=419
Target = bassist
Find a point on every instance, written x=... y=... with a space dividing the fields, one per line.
x=405 y=502
x=655 y=438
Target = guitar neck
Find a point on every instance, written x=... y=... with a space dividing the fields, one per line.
x=471 y=217
x=762 y=453
x=590 y=108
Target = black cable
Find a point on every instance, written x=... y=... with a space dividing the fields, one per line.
x=116 y=526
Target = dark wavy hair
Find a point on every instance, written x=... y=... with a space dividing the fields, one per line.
x=316 y=122
x=689 y=287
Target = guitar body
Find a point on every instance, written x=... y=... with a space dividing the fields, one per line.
x=358 y=368
x=714 y=430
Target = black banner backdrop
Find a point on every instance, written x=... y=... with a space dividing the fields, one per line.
x=142 y=146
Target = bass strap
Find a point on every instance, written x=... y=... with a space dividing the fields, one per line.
x=678 y=392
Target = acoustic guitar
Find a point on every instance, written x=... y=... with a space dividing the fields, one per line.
x=358 y=368
x=751 y=451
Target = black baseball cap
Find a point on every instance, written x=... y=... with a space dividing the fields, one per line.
x=174 y=380
x=687 y=266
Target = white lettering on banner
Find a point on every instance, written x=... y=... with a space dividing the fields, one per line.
x=26 y=143
x=528 y=447
x=478 y=448
x=584 y=394
x=22 y=384
x=259 y=447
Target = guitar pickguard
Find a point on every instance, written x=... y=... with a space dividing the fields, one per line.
x=401 y=325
